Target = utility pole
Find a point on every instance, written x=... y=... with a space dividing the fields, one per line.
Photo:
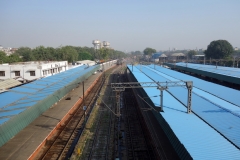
x=234 y=61
x=238 y=61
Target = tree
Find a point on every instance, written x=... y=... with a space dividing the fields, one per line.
x=13 y=58
x=85 y=53
x=25 y=53
x=118 y=54
x=219 y=49
x=104 y=53
x=191 y=53
x=89 y=50
x=3 y=57
x=51 y=54
x=84 y=56
x=45 y=54
x=134 y=53
x=236 y=53
x=39 y=53
x=149 y=51
x=69 y=53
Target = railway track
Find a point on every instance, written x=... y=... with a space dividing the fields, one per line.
x=160 y=144
x=104 y=135
x=61 y=144
x=102 y=143
x=126 y=137
x=98 y=138
x=137 y=139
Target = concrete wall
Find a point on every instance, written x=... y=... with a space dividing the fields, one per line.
x=40 y=69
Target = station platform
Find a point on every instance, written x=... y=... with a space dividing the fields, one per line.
x=27 y=141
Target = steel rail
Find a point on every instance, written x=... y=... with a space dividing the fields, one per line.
x=137 y=130
x=57 y=150
x=90 y=105
x=101 y=134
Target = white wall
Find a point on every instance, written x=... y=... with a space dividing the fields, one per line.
x=41 y=70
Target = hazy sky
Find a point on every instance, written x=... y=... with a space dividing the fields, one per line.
x=128 y=25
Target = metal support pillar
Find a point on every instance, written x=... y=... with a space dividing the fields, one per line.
x=103 y=68
x=118 y=102
x=161 y=94
x=118 y=130
x=234 y=61
x=160 y=109
x=189 y=101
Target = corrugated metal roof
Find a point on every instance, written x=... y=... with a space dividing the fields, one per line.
x=201 y=140
x=204 y=103
x=3 y=120
x=163 y=55
x=156 y=55
x=9 y=83
x=228 y=94
x=18 y=99
x=86 y=62
x=229 y=71
x=177 y=54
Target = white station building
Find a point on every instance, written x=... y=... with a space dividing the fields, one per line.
x=29 y=71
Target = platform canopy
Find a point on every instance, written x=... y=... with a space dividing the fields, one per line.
x=9 y=83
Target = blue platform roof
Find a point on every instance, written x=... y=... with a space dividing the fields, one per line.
x=228 y=94
x=201 y=138
x=203 y=104
x=156 y=55
x=18 y=99
x=229 y=71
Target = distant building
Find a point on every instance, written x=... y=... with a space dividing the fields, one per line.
x=177 y=56
x=29 y=71
x=14 y=50
x=155 y=56
x=198 y=57
x=8 y=50
x=98 y=44
x=163 y=58
x=106 y=44
x=236 y=48
x=86 y=62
